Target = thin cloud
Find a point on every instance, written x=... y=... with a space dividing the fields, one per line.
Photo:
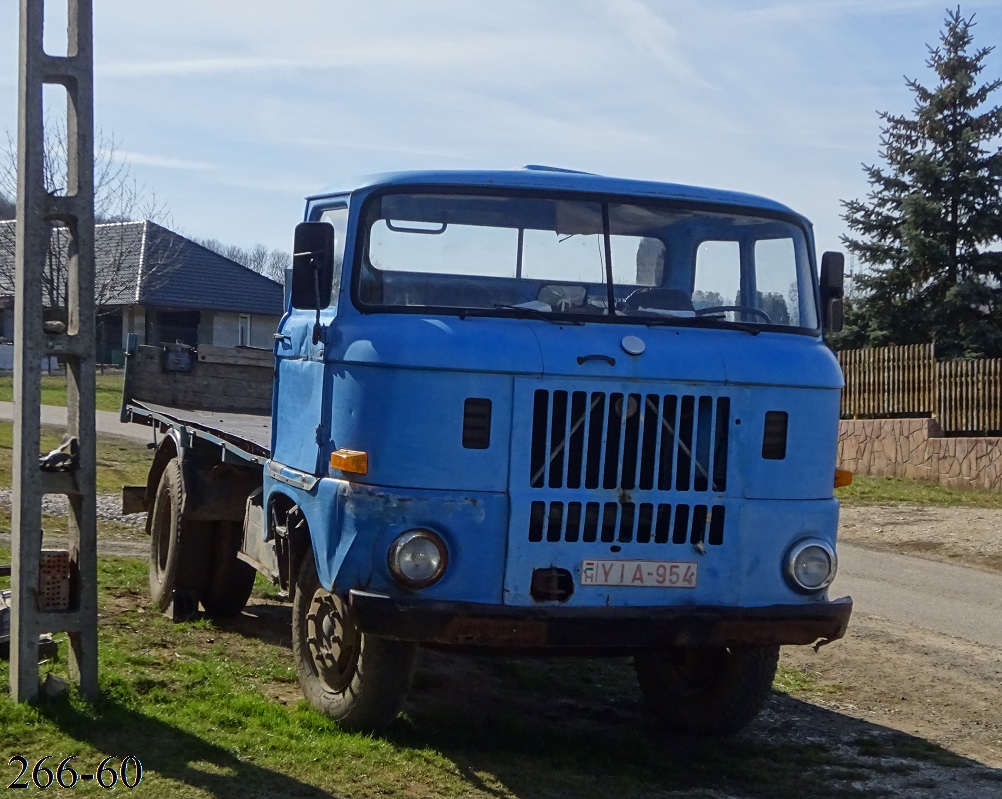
x=162 y=161
x=374 y=55
x=401 y=147
x=826 y=9
x=653 y=35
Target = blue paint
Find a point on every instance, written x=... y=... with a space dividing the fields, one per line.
x=392 y=382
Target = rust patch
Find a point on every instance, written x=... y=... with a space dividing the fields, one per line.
x=495 y=632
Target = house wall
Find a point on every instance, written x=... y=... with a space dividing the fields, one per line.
x=225 y=329
x=49 y=364
x=133 y=321
x=916 y=448
x=216 y=328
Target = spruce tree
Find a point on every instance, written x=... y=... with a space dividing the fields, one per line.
x=929 y=228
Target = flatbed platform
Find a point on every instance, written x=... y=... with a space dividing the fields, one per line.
x=220 y=395
x=245 y=434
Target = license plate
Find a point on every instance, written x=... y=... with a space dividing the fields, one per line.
x=640 y=573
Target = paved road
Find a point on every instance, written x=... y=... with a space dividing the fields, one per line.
x=948 y=599
x=107 y=421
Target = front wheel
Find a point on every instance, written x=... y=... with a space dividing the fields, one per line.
x=706 y=691
x=357 y=679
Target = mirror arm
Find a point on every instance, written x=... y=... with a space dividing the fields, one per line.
x=316 y=289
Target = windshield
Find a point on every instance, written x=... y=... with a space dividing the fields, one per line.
x=504 y=254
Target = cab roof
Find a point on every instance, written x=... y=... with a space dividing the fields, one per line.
x=548 y=178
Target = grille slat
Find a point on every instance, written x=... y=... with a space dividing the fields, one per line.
x=625 y=441
x=604 y=458
x=669 y=452
x=622 y=442
x=612 y=522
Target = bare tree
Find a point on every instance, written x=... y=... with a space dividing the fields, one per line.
x=270 y=263
x=118 y=198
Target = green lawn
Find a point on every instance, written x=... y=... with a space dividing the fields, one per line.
x=881 y=490
x=214 y=710
x=108 y=390
x=120 y=461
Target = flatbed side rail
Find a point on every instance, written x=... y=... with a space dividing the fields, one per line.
x=234 y=448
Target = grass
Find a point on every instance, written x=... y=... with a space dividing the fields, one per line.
x=120 y=461
x=797 y=682
x=108 y=390
x=882 y=490
x=213 y=710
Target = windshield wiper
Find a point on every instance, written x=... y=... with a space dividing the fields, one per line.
x=699 y=321
x=531 y=313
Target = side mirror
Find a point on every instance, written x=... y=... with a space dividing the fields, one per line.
x=832 y=290
x=312 y=266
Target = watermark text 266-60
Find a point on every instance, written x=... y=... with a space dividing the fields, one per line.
x=112 y=771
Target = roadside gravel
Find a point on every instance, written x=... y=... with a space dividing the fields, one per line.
x=109 y=507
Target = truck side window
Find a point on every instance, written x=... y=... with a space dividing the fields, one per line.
x=338 y=217
x=777 y=288
x=718 y=274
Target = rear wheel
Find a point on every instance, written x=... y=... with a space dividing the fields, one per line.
x=356 y=678
x=230 y=584
x=178 y=548
x=706 y=691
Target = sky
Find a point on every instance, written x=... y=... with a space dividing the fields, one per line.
x=233 y=111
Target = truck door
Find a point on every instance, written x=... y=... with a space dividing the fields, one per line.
x=300 y=405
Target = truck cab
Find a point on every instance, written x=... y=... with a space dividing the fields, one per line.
x=548 y=411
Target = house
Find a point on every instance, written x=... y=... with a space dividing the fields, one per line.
x=160 y=285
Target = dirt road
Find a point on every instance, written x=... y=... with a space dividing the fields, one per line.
x=105 y=421
x=924 y=649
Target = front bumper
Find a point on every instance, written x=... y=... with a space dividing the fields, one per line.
x=599 y=628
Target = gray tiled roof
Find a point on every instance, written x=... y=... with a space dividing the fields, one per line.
x=144 y=263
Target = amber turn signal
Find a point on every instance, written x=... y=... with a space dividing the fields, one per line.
x=350 y=460
x=842 y=478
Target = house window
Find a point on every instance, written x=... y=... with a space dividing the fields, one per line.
x=167 y=327
x=244 y=331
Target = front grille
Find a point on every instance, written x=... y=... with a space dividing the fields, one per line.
x=627 y=522
x=594 y=440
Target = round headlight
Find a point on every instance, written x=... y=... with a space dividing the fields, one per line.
x=418 y=558
x=811 y=565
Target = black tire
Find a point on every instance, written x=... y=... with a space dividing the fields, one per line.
x=357 y=679
x=706 y=691
x=177 y=557
x=230 y=584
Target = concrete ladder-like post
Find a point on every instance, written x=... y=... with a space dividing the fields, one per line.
x=36 y=210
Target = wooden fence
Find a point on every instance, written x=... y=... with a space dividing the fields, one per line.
x=965 y=396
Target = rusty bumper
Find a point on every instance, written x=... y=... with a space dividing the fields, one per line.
x=603 y=628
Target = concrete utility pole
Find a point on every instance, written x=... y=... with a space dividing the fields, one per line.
x=54 y=591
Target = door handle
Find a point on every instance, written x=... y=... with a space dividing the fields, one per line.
x=607 y=358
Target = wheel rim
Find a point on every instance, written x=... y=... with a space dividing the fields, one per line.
x=333 y=640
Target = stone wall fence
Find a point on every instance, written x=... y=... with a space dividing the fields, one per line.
x=918 y=449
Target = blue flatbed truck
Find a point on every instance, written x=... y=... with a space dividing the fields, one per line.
x=523 y=411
